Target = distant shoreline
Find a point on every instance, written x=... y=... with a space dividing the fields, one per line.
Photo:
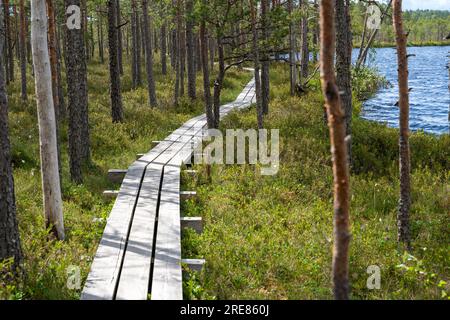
x=411 y=44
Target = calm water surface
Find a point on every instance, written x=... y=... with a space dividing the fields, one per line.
x=429 y=79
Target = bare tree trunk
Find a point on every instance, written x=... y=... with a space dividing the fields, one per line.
x=218 y=84
x=365 y=50
x=305 y=48
x=115 y=89
x=265 y=76
x=79 y=146
x=292 y=53
x=134 y=61
x=206 y=85
x=344 y=62
x=149 y=56
x=9 y=231
x=119 y=38
x=212 y=53
x=259 y=109
x=336 y=120
x=164 y=48
x=405 y=165
x=23 y=51
x=191 y=74
x=47 y=122
x=138 y=49
x=100 y=38
x=181 y=46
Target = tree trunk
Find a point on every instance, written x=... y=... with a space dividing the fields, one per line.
x=119 y=38
x=405 y=166
x=218 y=84
x=79 y=146
x=181 y=46
x=9 y=231
x=190 y=50
x=336 y=121
x=23 y=51
x=149 y=56
x=47 y=122
x=344 y=62
x=115 y=89
x=292 y=53
x=134 y=46
x=164 y=48
x=365 y=50
x=259 y=109
x=100 y=38
x=206 y=85
x=138 y=49
x=305 y=48
x=265 y=76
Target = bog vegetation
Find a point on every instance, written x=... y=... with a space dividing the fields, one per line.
x=78 y=99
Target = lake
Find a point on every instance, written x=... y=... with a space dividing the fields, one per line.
x=429 y=80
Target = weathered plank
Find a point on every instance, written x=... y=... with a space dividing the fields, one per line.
x=135 y=275
x=167 y=274
x=102 y=279
x=116 y=175
x=194 y=223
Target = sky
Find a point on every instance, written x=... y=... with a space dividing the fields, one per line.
x=426 y=4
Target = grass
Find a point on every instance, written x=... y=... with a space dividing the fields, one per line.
x=46 y=262
x=271 y=237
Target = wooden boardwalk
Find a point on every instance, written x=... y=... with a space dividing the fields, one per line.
x=140 y=251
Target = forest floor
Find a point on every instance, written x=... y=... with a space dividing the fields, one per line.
x=271 y=237
x=114 y=146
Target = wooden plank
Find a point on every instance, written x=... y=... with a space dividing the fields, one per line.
x=167 y=274
x=110 y=194
x=116 y=175
x=188 y=195
x=135 y=275
x=195 y=223
x=195 y=265
x=102 y=279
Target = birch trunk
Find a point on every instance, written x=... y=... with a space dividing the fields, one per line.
x=47 y=123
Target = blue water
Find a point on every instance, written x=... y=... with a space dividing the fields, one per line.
x=430 y=97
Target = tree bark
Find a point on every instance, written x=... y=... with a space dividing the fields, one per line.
x=191 y=72
x=256 y=63
x=9 y=231
x=265 y=76
x=134 y=46
x=336 y=121
x=344 y=62
x=204 y=43
x=119 y=38
x=47 y=122
x=115 y=88
x=149 y=56
x=23 y=51
x=164 y=48
x=292 y=53
x=79 y=146
x=405 y=165
x=305 y=48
